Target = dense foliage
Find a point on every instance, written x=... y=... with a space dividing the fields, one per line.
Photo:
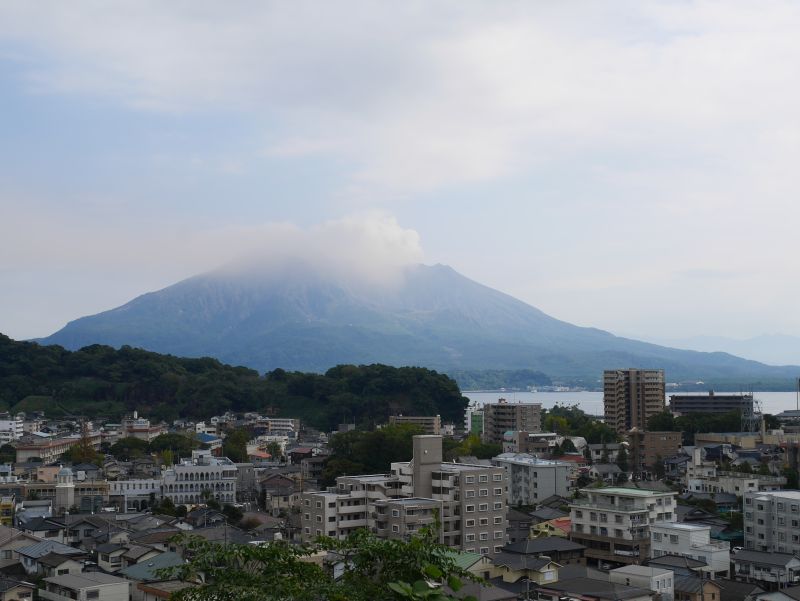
x=102 y=381
x=572 y=421
x=376 y=569
x=360 y=452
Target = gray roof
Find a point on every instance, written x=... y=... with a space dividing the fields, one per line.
x=547 y=513
x=6 y=584
x=86 y=580
x=54 y=559
x=689 y=584
x=600 y=589
x=146 y=570
x=733 y=590
x=676 y=561
x=606 y=468
x=543 y=545
x=48 y=546
x=760 y=557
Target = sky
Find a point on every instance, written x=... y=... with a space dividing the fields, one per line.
x=625 y=165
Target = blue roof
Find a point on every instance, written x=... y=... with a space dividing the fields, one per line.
x=202 y=437
x=146 y=570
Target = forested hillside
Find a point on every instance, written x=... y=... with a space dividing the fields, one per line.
x=101 y=381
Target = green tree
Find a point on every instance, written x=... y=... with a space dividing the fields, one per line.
x=129 y=448
x=792 y=479
x=180 y=444
x=233 y=513
x=745 y=468
x=662 y=422
x=622 y=459
x=568 y=446
x=658 y=467
x=389 y=570
x=557 y=423
x=234 y=447
x=763 y=469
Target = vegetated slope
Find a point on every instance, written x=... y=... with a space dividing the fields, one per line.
x=295 y=318
x=100 y=380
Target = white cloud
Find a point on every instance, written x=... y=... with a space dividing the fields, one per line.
x=423 y=96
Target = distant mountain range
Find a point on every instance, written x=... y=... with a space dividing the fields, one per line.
x=297 y=318
x=772 y=349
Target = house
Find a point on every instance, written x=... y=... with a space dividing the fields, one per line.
x=137 y=554
x=88 y=585
x=544 y=514
x=109 y=556
x=607 y=452
x=512 y=567
x=157 y=591
x=11 y=540
x=561 y=550
x=605 y=472
x=680 y=565
x=588 y=589
x=733 y=590
x=659 y=580
x=791 y=593
x=29 y=556
x=15 y=590
x=556 y=527
x=146 y=571
x=769 y=570
x=693 y=541
x=55 y=564
x=694 y=588
x=519 y=525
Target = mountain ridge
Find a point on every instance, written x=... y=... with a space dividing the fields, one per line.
x=294 y=317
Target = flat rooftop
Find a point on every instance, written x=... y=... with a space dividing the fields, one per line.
x=627 y=492
x=641 y=571
x=681 y=526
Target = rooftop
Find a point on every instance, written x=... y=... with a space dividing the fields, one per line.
x=641 y=570
x=626 y=492
x=85 y=580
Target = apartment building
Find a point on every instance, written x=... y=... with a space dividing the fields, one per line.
x=134 y=495
x=347 y=507
x=631 y=397
x=502 y=417
x=430 y=424
x=473 y=497
x=530 y=479
x=692 y=541
x=647 y=449
x=684 y=404
x=473 y=420
x=11 y=428
x=141 y=428
x=614 y=523
x=470 y=501
x=772 y=521
x=192 y=480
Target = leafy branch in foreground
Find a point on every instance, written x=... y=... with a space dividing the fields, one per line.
x=367 y=568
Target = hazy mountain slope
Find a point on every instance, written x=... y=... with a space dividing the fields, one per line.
x=297 y=319
x=772 y=349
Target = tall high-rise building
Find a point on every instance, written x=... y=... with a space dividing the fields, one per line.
x=632 y=396
x=502 y=417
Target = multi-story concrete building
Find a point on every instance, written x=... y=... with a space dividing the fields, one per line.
x=502 y=417
x=51 y=449
x=735 y=483
x=683 y=404
x=473 y=420
x=141 y=428
x=530 y=479
x=11 y=428
x=430 y=424
x=649 y=449
x=402 y=518
x=134 y=495
x=470 y=501
x=614 y=523
x=772 y=521
x=473 y=496
x=631 y=397
x=692 y=541
x=203 y=476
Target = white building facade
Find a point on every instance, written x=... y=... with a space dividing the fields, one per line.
x=693 y=541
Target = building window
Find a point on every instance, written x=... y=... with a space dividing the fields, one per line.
x=484 y=536
x=483 y=478
x=498 y=505
x=395 y=528
x=498 y=519
x=470 y=494
x=673 y=539
x=469 y=479
x=498 y=535
x=470 y=523
x=656 y=537
x=470 y=508
x=469 y=538
x=395 y=513
x=484 y=492
x=484 y=550
x=483 y=507
x=497 y=477
x=498 y=491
